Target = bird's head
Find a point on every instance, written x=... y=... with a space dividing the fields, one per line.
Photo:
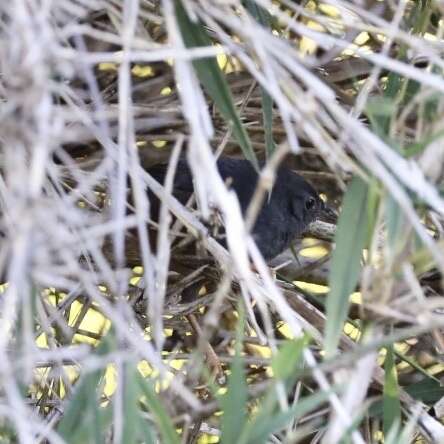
x=305 y=204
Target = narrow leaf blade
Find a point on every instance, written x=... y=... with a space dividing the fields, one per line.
x=234 y=402
x=213 y=79
x=288 y=358
x=260 y=430
x=351 y=236
x=264 y=18
x=84 y=420
x=391 y=402
x=162 y=419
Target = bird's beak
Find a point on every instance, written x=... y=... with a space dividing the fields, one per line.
x=328 y=214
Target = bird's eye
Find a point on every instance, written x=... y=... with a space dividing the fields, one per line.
x=310 y=203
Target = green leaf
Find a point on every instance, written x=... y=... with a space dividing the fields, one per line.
x=267 y=112
x=161 y=416
x=93 y=427
x=260 y=429
x=418 y=147
x=288 y=358
x=427 y=390
x=422 y=260
x=392 y=436
x=146 y=433
x=234 y=402
x=394 y=83
x=351 y=236
x=82 y=409
x=260 y=14
x=420 y=16
x=379 y=111
x=132 y=392
x=264 y=18
x=269 y=418
x=84 y=421
x=213 y=79
x=395 y=220
x=373 y=201
x=391 y=402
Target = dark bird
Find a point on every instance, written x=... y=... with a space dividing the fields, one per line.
x=285 y=214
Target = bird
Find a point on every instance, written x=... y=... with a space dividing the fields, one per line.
x=286 y=212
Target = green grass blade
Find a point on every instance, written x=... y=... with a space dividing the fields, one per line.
x=264 y=18
x=267 y=113
x=162 y=419
x=213 y=79
x=392 y=436
x=130 y=411
x=395 y=220
x=391 y=402
x=428 y=390
x=84 y=421
x=269 y=419
x=288 y=358
x=262 y=429
x=351 y=237
x=234 y=402
x=259 y=13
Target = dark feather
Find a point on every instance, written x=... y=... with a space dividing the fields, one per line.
x=284 y=215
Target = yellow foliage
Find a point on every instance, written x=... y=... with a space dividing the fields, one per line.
x=142 y=71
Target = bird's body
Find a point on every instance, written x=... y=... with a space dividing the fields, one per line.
x=291 y=206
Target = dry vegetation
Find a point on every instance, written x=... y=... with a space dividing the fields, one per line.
x=98 y=342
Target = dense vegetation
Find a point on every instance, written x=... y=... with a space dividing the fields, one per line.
x=341 y=341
